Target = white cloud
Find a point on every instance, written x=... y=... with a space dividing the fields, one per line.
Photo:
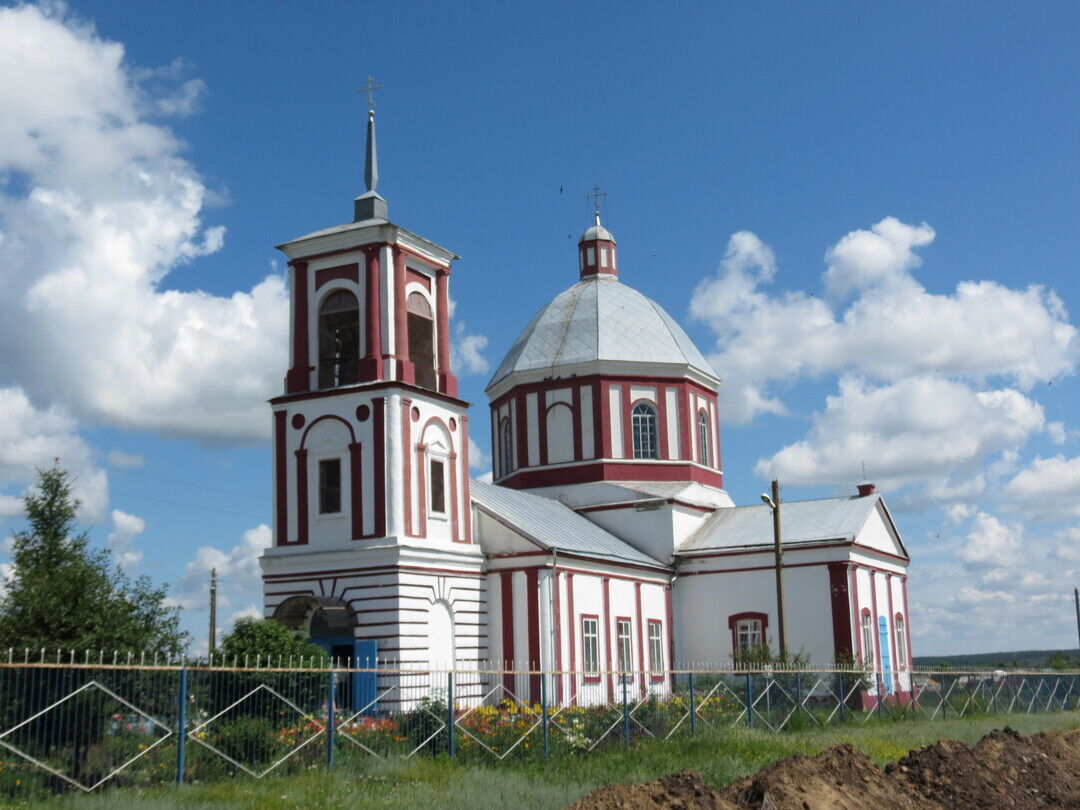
x=30 y=439
x=881 y=256
x=920 y=430
x=237 y=570
x=467 y=351
x=121 y=540
x=118 y=458
x=1047 y=489
x=478 y=459
x=991 y=543
x=103 y=210
x=888 y=329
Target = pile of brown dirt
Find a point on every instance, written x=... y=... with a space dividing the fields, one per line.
x=1003 y=770
x=683 y=790
x=841 y=776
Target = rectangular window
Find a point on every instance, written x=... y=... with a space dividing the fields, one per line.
x=603 y=257
x=590 y=644
x=622 y=633
x=901 y=644
x=590 y=256
x=329 y=486
x=867 y=640
x=656 y=646
x=748 y=635
x=437 y=485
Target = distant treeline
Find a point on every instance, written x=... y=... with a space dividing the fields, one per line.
x=1021 y=659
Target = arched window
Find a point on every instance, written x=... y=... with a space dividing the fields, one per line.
x=506 y=448
x=421 y=339
x=643 y=418
x=703 y=437
x=868 y=657
x=339 y=340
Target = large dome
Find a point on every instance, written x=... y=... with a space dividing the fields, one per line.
x=600 y=319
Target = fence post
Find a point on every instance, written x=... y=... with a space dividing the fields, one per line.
x=944 y=696
x=798 y=692
x=181 y=724
x=880 y=693
x=330 y=719
x=625 y=712
x=843 y=697
x=749 y=700
x=693 y=707
x=544 y=714
x=450 y=742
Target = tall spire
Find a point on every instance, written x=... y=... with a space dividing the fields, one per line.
x=370 y=205
x=371 y=158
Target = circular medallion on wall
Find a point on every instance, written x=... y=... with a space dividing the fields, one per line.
x=362 y=413
x=298 y=420
x=415 y=414
x=453 y=424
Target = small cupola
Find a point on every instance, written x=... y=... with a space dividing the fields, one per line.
x=596 y=252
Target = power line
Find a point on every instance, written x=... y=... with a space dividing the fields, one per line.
x=143 y=475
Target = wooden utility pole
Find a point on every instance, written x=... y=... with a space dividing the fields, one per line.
x=779 y=553
x=213 y=610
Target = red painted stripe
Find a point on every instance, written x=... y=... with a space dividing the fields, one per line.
x=465 y=468
x=841 y=612
x=298 y=379
x=522 y=418
x=576 y=403
x=424 y=394
x=347 y=272
x=407 y=484
x=378 y=427
x=281 y=478
x=855 y=611
x=381 y=570
x=621 y=470
x=421 y=490
x=541 y=427
x=532 y=591
x=356 y=484
x=687 y=423
x=661 y=424
x=371 y=367
x=907 y=621
x=892 y=625
x=507 y=583
x=301 y=497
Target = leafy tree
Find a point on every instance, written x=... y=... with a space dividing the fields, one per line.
x=265 y=639
x=1058 y=661
x=64 y=595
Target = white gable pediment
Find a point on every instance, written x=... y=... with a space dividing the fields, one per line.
x=879 y=532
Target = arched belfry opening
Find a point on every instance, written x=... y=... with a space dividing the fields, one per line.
x=339 y=340
x=421 y=339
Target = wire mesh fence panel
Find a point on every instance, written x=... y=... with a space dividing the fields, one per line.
x=81 y=727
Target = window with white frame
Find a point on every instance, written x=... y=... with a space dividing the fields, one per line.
x=622 y=635
x=868 y=639
x=703 y=437
x=590 y=644
x=656 y=646
x=643 y=421
x=901 y=643
x=329 y=486
x=749 y=635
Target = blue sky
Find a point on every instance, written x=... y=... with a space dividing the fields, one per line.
x=804 y=189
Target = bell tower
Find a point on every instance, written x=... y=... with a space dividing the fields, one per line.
x=370 y=440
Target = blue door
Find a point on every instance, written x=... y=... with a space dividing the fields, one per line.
x=358 y=690
x=886 y=666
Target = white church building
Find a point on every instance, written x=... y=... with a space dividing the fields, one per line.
x=606 y=542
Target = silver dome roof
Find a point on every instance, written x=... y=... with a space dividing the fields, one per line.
x=601 y=319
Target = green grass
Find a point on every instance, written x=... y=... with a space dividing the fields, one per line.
x=431 y=784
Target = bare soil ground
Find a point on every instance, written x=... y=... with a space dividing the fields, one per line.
x=1003 y=770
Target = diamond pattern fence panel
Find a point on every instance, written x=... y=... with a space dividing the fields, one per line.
x=68 y=726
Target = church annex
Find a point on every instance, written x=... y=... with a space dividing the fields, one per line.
x=606 y=542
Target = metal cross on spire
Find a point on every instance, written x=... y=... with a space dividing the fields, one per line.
x=370 y=87
x=596 y=195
